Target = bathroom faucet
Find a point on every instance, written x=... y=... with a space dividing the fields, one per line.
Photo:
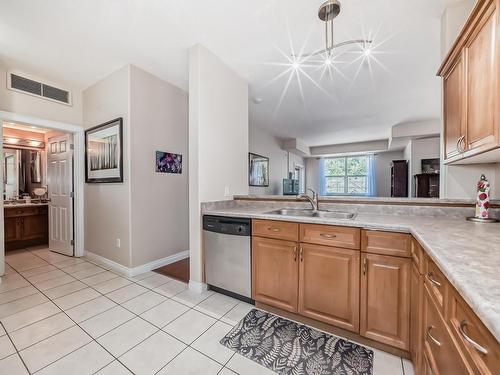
x=313 y=200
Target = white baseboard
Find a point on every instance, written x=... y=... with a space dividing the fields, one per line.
x=130 y=272
x=197 y=287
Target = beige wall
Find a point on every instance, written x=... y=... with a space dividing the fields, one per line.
x=24 y=104
x=107 y=206
x=218 y=140
x=159 y=201
x=265 y=144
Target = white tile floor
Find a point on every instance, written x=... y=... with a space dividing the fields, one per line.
x=62 y=315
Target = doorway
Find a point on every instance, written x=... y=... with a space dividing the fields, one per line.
x=54 y=167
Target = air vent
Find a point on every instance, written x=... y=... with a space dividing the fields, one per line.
x=21 y=83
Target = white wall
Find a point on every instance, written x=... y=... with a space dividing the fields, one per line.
x=312 y=174
x=427 y=148
x=382 y=163
x=159 y=201
x=459 y=181
x=24 y=104
x=107 y=206
x=218 y=140
x=452 y=21
x=263 y=143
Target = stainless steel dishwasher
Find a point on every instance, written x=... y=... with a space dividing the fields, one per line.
x=228 y=264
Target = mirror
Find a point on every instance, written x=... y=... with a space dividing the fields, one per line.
x=22 y=172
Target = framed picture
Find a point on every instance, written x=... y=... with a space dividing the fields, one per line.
x=167 y=162
x=258 y=170
x=103 y=152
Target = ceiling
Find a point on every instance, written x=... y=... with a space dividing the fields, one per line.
x=81 y=41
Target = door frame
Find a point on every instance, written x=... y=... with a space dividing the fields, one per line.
x=78 y=173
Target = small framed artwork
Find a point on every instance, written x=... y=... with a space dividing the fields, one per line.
x=103 y=152
x=167 y=162
x=258 y=170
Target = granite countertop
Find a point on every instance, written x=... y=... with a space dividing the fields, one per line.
x=467 y=253
x=21 y=205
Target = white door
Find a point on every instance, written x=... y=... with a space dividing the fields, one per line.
x=60 y=188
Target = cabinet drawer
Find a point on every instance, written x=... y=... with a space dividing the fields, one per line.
x=417 y=255
x=24 y=211
x=282 y=230
x=437 y=284
x=439 y=347
x=330 y=235
x=478 y=345
x=386 y=243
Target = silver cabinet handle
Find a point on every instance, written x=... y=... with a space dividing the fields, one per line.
x=295 y=253
x=274 y=229
x=461 y=144
x=475 y=345
x=301 y=254
x=326 y=235
x=432 y=338
x=430 y=277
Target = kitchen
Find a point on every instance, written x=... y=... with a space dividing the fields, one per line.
x=323 y=177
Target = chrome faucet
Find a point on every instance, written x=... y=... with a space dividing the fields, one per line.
x=313 y=200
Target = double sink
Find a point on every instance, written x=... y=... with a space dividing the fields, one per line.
x=311 y=213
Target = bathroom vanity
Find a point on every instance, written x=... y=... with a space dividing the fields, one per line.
x=26 y=225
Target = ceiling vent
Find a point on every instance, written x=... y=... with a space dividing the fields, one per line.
x=21 y=83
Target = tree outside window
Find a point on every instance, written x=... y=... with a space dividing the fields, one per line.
x=345 y=175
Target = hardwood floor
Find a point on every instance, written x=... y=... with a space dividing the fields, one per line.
x=178 y=270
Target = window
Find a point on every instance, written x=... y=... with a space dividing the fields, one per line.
x=348 y=175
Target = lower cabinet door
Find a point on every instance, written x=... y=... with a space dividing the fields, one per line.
x=275 y=272
x=385 y=299
x=416 y=304
x=11 y=229
x=329 y=285
x=34 y=227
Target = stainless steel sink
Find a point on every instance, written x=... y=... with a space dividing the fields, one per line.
x=310 y=213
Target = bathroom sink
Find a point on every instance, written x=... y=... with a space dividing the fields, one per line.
x=310 y=213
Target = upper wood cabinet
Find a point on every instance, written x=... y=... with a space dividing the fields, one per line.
x=471 y=88
x=481 y=82
x=275 y=272
x=385 y=299
x=454 y=125
x=329 y=285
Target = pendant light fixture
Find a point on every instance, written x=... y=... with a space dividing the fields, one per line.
x=327 y=12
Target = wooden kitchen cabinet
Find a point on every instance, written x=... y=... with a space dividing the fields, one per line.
x=481 y=82
x=329 y=285
x=385 y=299
x=439 y=347
x=416 y=311
x=454 y=124
x=471 y=88
x=275 y=272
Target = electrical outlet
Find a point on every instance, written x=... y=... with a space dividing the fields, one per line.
x=118 y=243
x=226 y=191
